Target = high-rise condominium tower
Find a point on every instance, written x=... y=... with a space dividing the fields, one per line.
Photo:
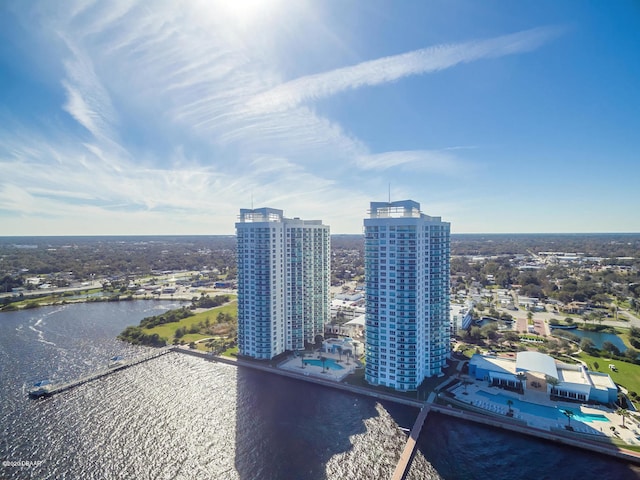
x=283 y=281
x=407 y=294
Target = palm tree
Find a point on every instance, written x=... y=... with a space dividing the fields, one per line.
x=302 y=359
x=323 y=360
x=509 y=404
x=521 y=376
x=623 y=412
x=553 y=381
x=466 y=383
x=569 y=414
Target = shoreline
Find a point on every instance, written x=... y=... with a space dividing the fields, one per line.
x=487 y=420
x=460 y=413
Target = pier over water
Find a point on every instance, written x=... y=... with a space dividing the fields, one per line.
x=52 y=389
x=404 y=463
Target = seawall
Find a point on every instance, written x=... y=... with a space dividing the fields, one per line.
x=491 y=421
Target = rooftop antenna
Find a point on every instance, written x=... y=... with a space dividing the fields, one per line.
x=251 y=200
x=389 y=192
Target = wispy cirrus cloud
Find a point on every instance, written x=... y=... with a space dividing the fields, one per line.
x=88 y=102
x=187 y=116
x=434 y=161
x=392 y=68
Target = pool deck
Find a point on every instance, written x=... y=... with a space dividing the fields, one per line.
x=294 y=364
x=479 y=394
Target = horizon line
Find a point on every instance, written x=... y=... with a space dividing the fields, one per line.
x=3 y=236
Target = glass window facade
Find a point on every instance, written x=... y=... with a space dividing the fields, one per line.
x=407 y=295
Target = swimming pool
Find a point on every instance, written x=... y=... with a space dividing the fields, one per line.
x=552 y=413
x=328 y=363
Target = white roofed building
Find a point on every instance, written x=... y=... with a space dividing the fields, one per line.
x=542 y=372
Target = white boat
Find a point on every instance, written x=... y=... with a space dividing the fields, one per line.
x=116 y=361
x=40 y=389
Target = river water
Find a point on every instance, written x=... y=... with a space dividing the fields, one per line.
x=179 y=417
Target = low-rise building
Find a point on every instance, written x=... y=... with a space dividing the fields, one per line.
x=543 y=373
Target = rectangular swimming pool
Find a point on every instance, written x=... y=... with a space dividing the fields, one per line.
x=329 y=363
x=552 y=413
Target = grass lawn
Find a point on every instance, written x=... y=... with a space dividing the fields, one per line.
x=231 y=352
x=168 y=330
x=628 y=374
x=469 y=352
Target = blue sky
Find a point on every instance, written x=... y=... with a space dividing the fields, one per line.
x=164 y=117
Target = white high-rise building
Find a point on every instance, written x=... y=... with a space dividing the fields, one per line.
x=407 y=294
x=283 y=282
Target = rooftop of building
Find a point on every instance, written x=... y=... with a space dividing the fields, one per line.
x=540 y=363
x=398 y=209
x=266 y=214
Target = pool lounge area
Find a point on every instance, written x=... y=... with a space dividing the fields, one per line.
x=538 y=411
x=554 y=413
x=336 y=366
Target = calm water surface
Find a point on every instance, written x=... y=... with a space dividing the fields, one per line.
x=178 y=417
x=599 y=338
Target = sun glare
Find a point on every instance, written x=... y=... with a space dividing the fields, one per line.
x=243 y=13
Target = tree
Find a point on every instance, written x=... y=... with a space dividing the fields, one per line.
x=553 y=381
x=568 y=413
x=490 y=330
x=511 y=337
x=466 y=383
x=631 y=353
x=596 y=365
x=522 y=377
x=474 y=335
x=614 y=311
x=587 y=345
x=509 y=404
x=598 y=316
x=624 y=413
x=323 y=359
x=610 y=348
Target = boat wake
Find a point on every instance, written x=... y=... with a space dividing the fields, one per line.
x=41 y=336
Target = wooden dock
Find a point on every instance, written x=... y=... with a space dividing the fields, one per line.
x=52 y=389
x=402 y=468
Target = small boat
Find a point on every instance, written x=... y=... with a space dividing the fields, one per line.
x=40 y=389
x=116 y=361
